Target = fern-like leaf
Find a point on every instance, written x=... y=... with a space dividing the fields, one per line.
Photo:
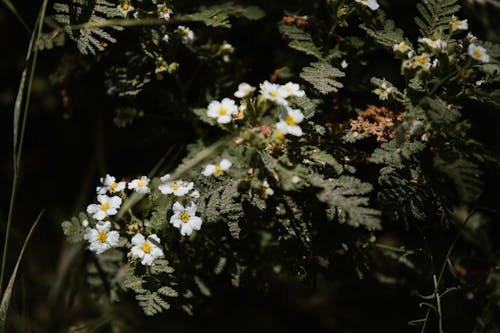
x=346 y=195
x=388 y=36
x=323 y=77
x=300 y=40
x=435 y=15
x=88 y=40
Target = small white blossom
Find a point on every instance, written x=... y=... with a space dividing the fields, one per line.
x=273 y=92
x=140 y=185
x=266 y=189
x=165 y=38
x=222 y=110
x=344 y=64
x=471 y=38
x=295 y=179
x=187 y=35
x=101 y=238
x=291 y=89
x=178 y=188
x=244 y=89
x=226 y=58
x=110 y=185
x=125 y=7
x=85 y=223
x=457 y=24
x=107 y=206
x=146 y=249
x=402 y=48
x=372 y=4
x=479 y=53
x=421 y=61
x=217 y=169
x=195 y=194
x=435 y=44
x=161 y=65
x=185 y=218
x=383 y=91
x=289 y=121
x=164 y=12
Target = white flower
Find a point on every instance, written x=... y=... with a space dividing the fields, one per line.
x=401 y=47
x=273 y=92
x=146 y=249
x=187 y=35
x=289 y=121
x=383 y=91
x=244 y=89
x=185 y=218
x=291 y=89
x=178 y=188
x=161 y=65
x=435 y=44
x=165 y=38
x=140 y=185
x=217 y=169
x=222 y=110
x=266 y=189
x=457 y=24
x=479 y=53
x=101 y=238
x=125 y=7
x=107 y=206
x=164 y=12
x=470 y=37
x=295 y=179
x=372 y=4
x=195 y=194
x=422 y=61
x=344 y=64
x=85 y=223
x=109 y=184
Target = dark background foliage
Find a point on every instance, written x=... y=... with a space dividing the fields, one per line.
x=71 y=140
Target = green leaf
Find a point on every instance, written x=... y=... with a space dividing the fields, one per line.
x=300 y=40
x=7 y=293
x=346 y=195
x=388 y=35
x=73 y=229
x=323 y=77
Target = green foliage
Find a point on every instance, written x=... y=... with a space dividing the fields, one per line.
x=346 y=197
x=218 y=15
x=435 y=15
x=74 y=229
x=300 y=40
x=388 y=35
x=89 y=40
x=323 y=77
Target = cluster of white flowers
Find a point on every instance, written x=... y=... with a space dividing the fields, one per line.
x=178 y=188
x=227 y=110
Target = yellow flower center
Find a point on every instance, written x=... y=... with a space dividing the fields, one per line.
x=218 y=170
x=175 y=186
x=183 y=32
x=477 y=53
x=185 y=217
x=290 y=122
x=222 y=111
x=105 y=206
x=146 y=248
x=280 y=136
x=113 y=187
x=422 y=60
x=273 y=94
x=102 y=237
x=125 y=6
x=140 y=183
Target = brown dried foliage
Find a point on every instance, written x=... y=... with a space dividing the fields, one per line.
x=378 y=121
